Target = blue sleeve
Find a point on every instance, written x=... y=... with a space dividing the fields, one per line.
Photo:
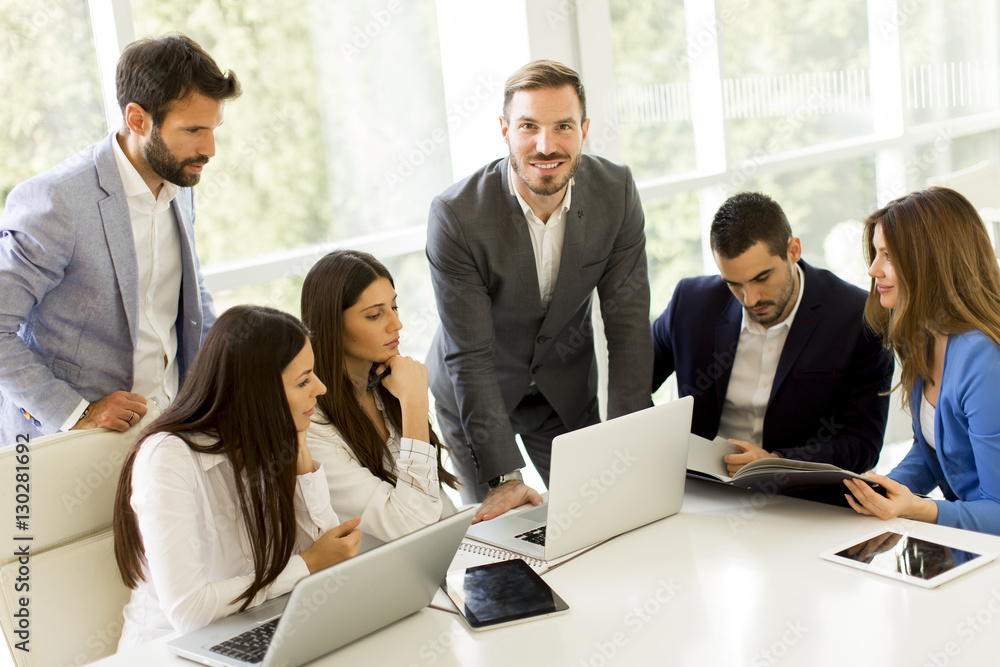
x=663 y=351
x=972 y=421
x=913 y=472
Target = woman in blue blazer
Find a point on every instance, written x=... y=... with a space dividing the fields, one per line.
x=935 y=300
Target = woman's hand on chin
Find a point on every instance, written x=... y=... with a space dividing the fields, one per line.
x=408 y=379
x=408 y=383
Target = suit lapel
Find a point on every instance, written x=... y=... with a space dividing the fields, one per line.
x=118 y=232
x=803 y=327
x=184 y=229
x=727 y=335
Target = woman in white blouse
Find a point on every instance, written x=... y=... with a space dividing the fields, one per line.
x=382 y=459
x=220 y=506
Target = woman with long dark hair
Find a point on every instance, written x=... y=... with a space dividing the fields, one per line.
x=935 y=301
x=220 y=505
x=382 y=459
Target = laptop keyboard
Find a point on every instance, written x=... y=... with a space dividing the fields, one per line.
x=249 y=646
x=535 y=536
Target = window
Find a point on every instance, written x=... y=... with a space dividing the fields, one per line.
x=949 y=59
x=341 y=131
x=51 y=104
x=652 y=105
x=793 y=75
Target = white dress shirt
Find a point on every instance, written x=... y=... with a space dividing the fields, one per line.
x=158 y=253
x=546 y=239
x=386 y=511
x=752 y=379
x=197 y=555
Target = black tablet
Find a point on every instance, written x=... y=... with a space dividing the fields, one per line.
x=497 y=594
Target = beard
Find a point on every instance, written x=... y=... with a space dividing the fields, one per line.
x=781 y=303
x=166 y=165
x=543 y=184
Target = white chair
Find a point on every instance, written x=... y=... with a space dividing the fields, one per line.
x=980 y=184
x=74 y=595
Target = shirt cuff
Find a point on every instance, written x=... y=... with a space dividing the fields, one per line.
x=314 y=487
x=74 y=416
x=947 y=514
x=414 y=446
x=295 y=571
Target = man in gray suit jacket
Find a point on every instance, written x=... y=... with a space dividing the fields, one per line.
x=103 y=303
x=516 y=251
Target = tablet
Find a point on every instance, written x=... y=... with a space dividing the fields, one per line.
x=906 y=557
x=498 y=594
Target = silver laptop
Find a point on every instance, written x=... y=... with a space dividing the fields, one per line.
x=605 y=479
x=335 y=606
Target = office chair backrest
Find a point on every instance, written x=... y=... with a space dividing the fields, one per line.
x=63 y=594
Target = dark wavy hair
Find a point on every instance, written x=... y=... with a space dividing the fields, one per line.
x=154 y=73
x=234 y=395
x=947 y=278
x=332 y=286
x=746 y=219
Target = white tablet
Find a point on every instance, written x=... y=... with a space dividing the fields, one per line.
x=904 y=556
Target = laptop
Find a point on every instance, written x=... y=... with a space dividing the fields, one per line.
x=335 y=606
x=605 y=479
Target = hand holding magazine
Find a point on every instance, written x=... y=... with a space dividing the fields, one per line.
x=823 y=482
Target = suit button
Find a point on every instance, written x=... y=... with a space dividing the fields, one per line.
x=534 y=369
x=541 y=339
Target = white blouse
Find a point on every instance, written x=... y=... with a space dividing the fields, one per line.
x=386 y=511
x=197 y=555
x=927 y=413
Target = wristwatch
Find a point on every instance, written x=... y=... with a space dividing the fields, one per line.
x=509 y=477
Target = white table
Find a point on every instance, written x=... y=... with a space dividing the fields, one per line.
x=734 y=579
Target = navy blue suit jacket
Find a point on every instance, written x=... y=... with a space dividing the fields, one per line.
x=824 y=405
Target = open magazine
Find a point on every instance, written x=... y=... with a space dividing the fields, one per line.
x=822 y=482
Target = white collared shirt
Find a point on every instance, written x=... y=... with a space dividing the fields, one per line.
x=386 y=511
x=194 y=538
x=752 y=379
x=158 y=253
x=546 y=239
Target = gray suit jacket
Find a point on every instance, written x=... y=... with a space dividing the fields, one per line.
x=494 y=339
x=70 y=292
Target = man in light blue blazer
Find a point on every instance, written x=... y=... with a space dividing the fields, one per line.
x=102 y=293
x=516 y=251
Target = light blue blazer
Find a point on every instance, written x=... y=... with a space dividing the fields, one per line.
x=966 y=462
x=69 y=292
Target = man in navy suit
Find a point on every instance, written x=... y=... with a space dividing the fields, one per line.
x=103 y=302
x=774 y=351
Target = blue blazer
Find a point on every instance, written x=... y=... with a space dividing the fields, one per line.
x=825 y=403
x=966 y=462
x=69 y=280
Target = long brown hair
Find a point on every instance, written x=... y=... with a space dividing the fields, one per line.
x=947 y=278
x=234 y=395
x=332 y=286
